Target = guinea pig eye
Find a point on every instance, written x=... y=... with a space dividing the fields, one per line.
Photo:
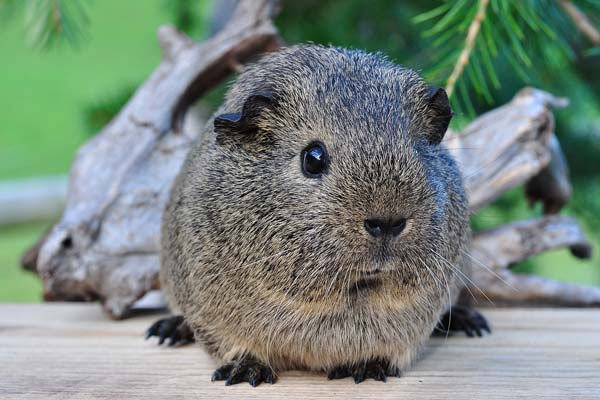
x=314 y=160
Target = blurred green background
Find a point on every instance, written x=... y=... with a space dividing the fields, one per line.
x=53 y=99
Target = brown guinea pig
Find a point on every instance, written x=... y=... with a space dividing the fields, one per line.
x=319 y=224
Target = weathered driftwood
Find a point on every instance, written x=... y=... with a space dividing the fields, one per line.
x=495 y=251
x=510 y=146
x=551 y=186
x=507 y=147
x=106 y=244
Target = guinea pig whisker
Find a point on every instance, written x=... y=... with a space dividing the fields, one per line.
x=465 y=284
x=449 y=301
x=458 y=148
x=491 y=271
x=440 y=288
x=462 y=280
x=481 y=168
x=464 y=275
x=437 y=281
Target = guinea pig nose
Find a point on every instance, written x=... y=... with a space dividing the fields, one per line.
x=397 y=226
x=379 y=227
x=374 y=227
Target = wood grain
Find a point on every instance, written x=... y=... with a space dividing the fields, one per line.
x=72 y=351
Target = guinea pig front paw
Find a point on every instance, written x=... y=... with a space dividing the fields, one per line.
x=376 y=369
x=246 y=369
x=173 y=328
x=462 y=319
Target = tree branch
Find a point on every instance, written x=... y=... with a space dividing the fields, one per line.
x=463 y=58
x=581 y=21
x=507 y=147
x=494 y=252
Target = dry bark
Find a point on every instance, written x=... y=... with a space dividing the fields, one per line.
x=106 y=244
x=495 y=251
x=511 y=146
x=508 y=147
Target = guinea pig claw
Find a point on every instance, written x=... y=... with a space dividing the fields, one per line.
x=359 y=375
x=173 y=328
x=339 y=373
x=462 y=319
x=377 y=369
x=221 y=373
x=246 y=369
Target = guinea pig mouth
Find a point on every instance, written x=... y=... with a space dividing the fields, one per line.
x=366 y=283
x=366 y=280
x=372 y=272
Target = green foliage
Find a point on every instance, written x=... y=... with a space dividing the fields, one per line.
x=17 y=285
x=45 y=29
x=43 y=93
x=384 y=25
x=8 y=10
x=98 y=113
x=47 y=21
x=189 y=16
x=182 y=12
x=520 y=37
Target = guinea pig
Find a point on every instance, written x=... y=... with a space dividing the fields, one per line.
x=319 y=223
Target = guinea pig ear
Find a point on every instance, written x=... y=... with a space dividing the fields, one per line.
x=440 y=113
x=245 y=122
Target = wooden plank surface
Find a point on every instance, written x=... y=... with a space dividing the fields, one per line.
x=72 y=351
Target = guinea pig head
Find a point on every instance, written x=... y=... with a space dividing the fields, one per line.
x=334 y=176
